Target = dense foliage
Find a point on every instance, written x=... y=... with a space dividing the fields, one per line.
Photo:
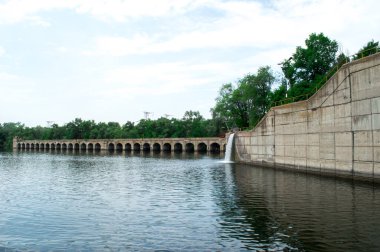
x=242 y=106
x=307 y=66
x=191 y=125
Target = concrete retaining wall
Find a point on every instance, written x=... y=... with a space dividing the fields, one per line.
x=336 y=131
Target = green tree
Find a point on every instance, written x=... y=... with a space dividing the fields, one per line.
x=256 y=91
x=230 y=107
x=371 y=47
x=308 y=65
x=246 y=104
x=342 y=59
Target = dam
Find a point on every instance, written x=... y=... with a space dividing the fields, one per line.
x=335 y=132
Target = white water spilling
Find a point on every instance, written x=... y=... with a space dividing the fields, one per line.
x=229 y=148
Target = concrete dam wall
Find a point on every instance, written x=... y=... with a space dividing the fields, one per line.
x=334 y=132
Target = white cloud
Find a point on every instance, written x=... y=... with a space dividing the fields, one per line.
x=14 y=11
x=121 y=10
x=247 y=24
x=161 y=79
x=38 y=21
x=2 y=51
x=8 y=77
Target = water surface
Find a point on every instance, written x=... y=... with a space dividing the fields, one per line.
x=88 y=202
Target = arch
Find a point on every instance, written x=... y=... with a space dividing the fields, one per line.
x=178 y=147
x=90 y=147
x=128 y=147
x=47 y=146
x=42 y=146
x=136 y=147
x=83 y=147
x=119 y=147
x=167 y=147
x=189 y=147
x=215 y=147
x=64 y=146
x=111 y=147
x=146 y=147
x=71 y=146
x=27 y=146
x=58 y=146
x=32 y=146
x=76 y=146
x=202 y=147
x=18 y=146
x=97 y=147
x=156 y=147
x=23 y=146
x=52 y=146
x=37 y=146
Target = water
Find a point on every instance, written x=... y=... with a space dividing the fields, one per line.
x=229 y=149
x=68 y=202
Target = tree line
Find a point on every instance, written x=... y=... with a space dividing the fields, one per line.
x=241 y=104
x=191 y=125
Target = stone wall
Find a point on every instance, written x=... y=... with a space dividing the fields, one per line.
x=336 y=131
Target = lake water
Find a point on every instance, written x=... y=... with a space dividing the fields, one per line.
x=90 y=202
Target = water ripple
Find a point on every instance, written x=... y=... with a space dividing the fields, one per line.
x=74 y=202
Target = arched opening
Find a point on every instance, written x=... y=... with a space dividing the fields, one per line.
x=156 y=147
x=167 y=147
x=32 y=146
x=58 y=146
x=47 y=146
x=202 y=148
x=23 y=146
x=42 y=146
x=64 y=146
x=178 y=147
x=214 y=147
x=52 y=146
x=71 y=147
x=136 y=147
x=83 y=147
x=37 y=146
x=18 y=146
x=189 y=147
x=27 y=146
x=76 y=146
x=146 y=147
x=97 y=147
x=119 y=147
x=128 y=147
x=111 y=147
x=90 y=147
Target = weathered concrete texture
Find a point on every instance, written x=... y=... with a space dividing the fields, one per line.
x=335 y=132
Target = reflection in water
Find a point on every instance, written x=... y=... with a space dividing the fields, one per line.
x=61 y=200
x=284 y=210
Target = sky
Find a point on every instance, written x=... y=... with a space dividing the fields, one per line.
x=113 y=60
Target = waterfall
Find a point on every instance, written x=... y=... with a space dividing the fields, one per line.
x=229 y=148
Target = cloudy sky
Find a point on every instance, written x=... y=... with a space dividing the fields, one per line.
x=111 y=60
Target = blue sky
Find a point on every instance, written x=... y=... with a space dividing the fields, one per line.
x=112 y=60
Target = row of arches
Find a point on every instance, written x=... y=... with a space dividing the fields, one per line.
x=156 y=147
x=58 y=146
